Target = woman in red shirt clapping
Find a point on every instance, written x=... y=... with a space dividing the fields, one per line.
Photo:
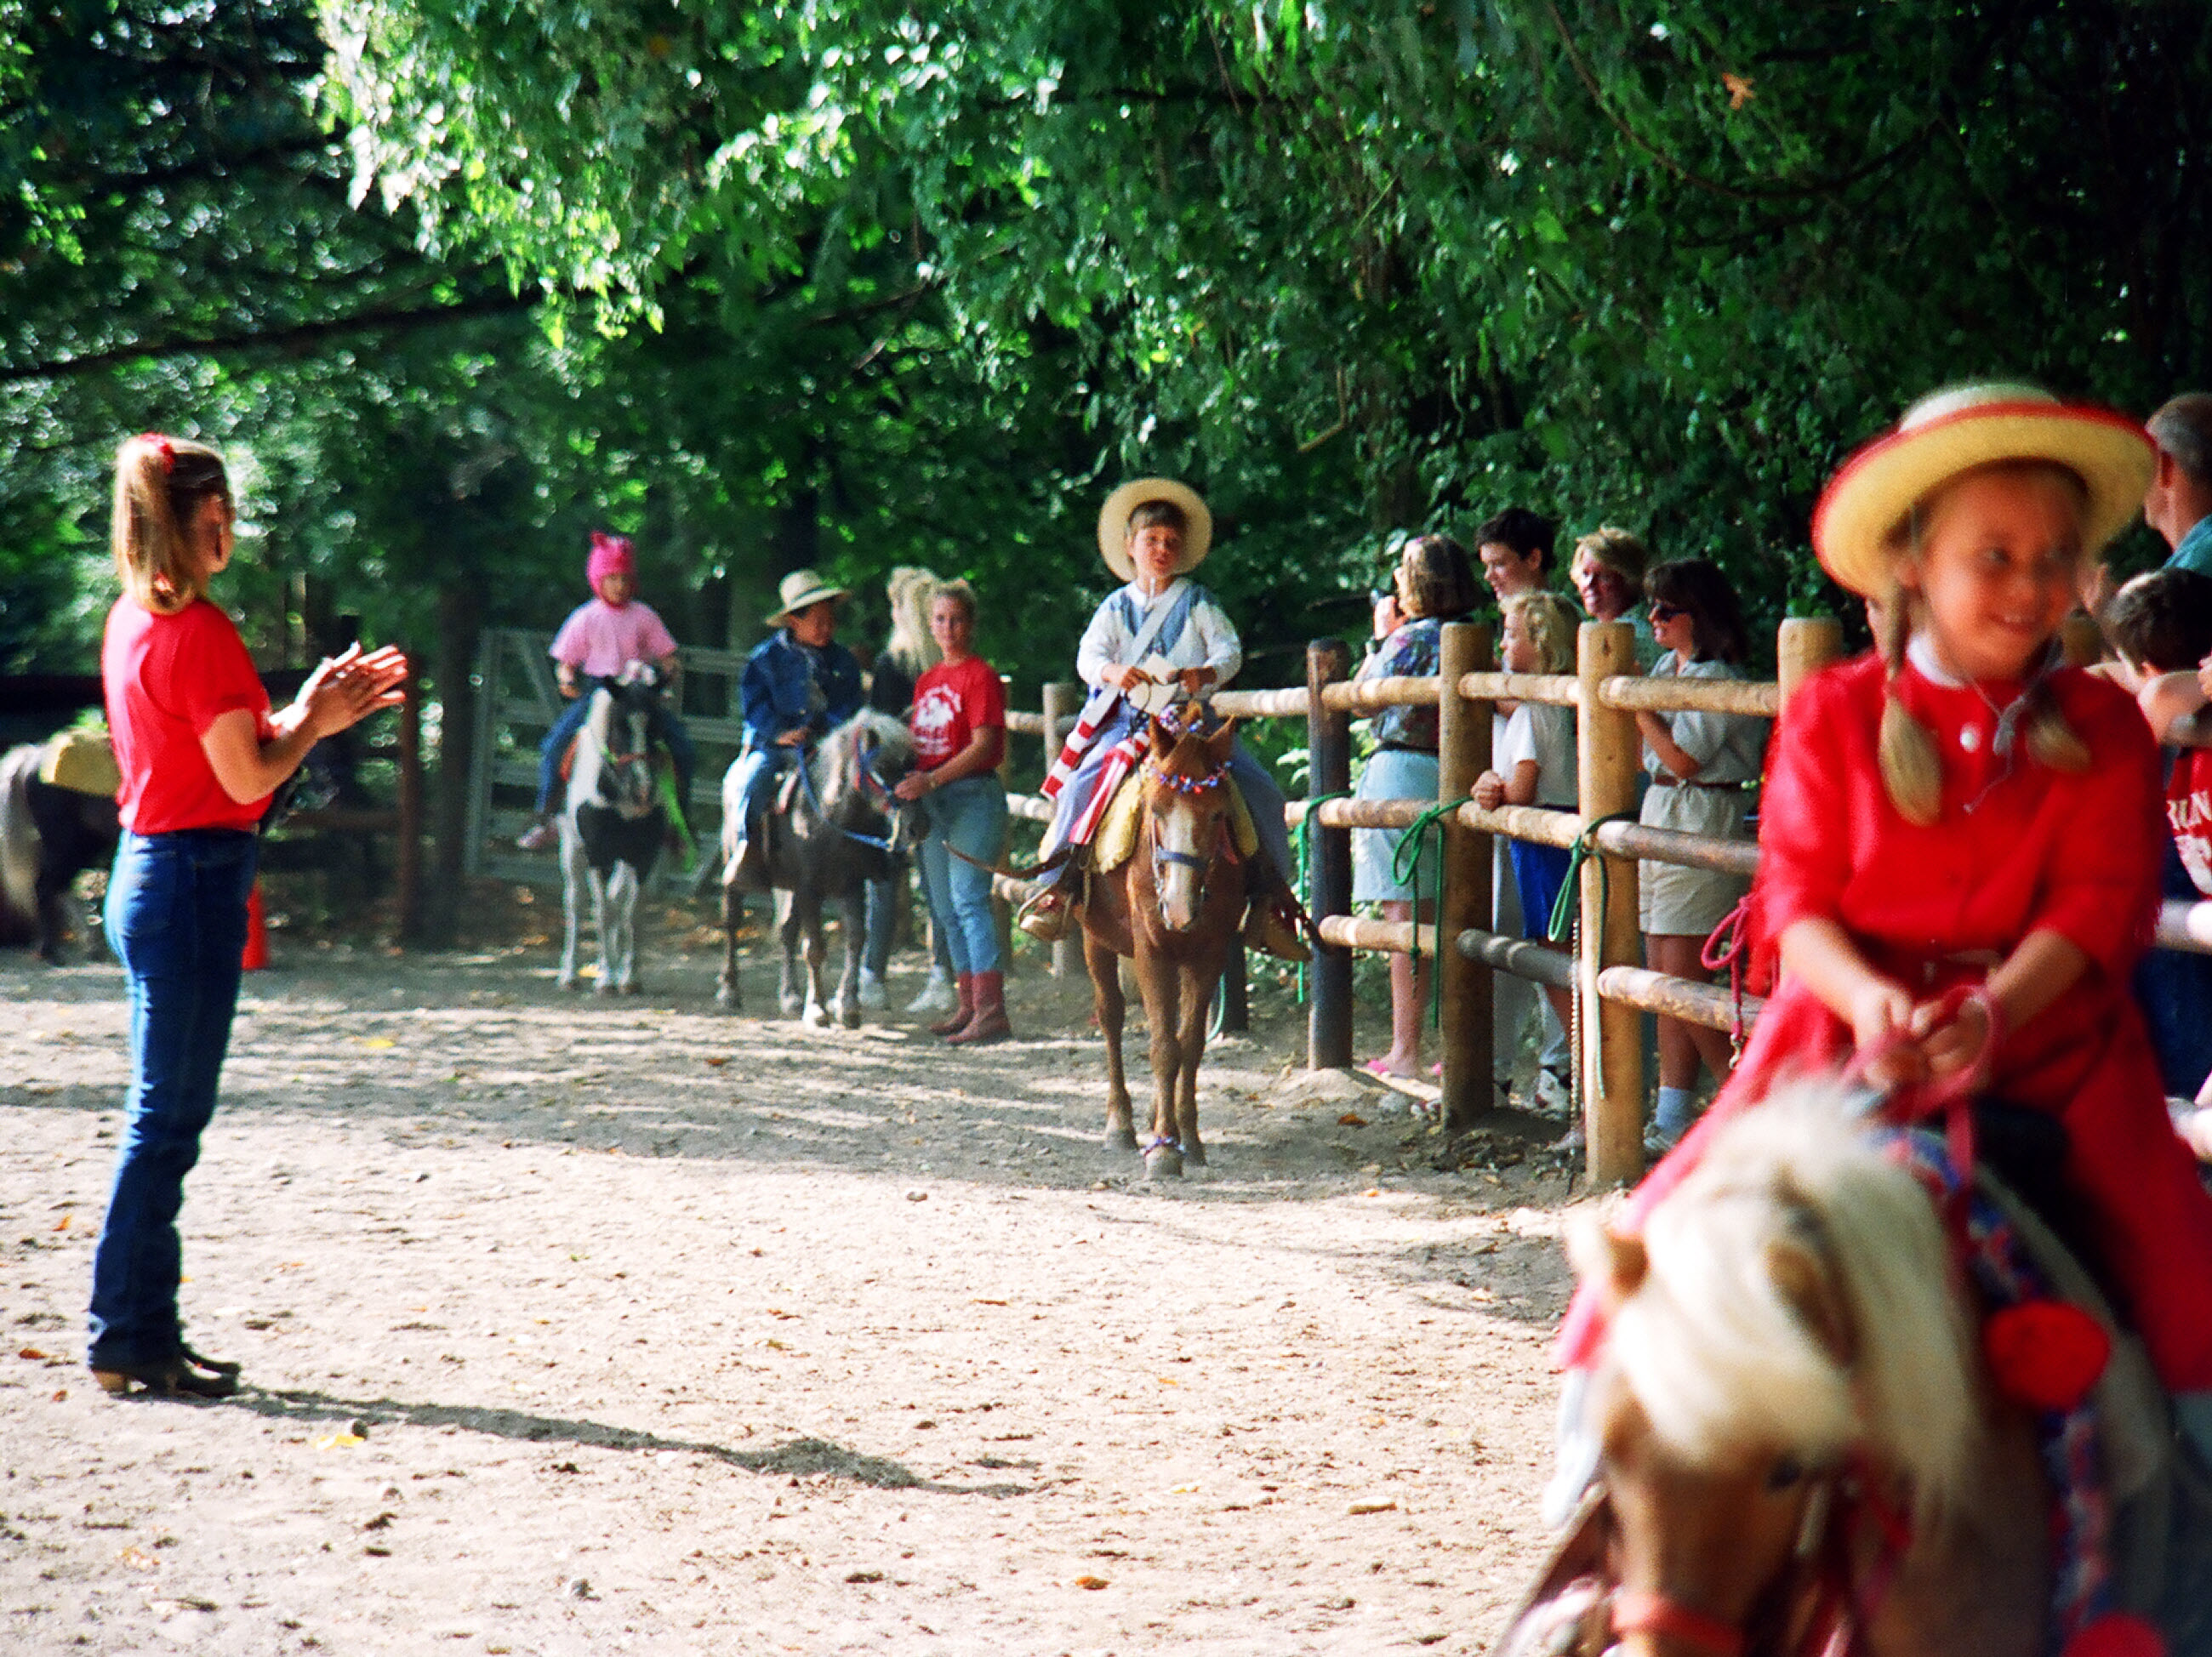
x=201 y=753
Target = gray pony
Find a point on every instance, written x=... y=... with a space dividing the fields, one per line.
x=837 y=824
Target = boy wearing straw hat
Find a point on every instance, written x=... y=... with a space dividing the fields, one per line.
x=798 y=683
x=1162 y=628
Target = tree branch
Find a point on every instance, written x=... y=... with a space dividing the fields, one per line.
x=305 y=333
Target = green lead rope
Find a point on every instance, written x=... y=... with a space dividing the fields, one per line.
x=1405 y=869
x=675 y=809
x=1561 y=925
x=1301 y=847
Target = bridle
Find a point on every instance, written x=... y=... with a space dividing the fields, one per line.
x=1189 y=788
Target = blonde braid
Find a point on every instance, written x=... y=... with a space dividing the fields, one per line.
x=1912 y=767
x=2051 y=739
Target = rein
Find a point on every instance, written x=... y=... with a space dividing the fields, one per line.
x=882 y=843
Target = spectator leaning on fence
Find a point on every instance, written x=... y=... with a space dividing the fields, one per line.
x=1535 y=765
x=1515 y=547
x=2160 y=626
x=2179 y=503
x=1607 y=572
x=1433 y=584
x=909 y=654
x=1703 y=768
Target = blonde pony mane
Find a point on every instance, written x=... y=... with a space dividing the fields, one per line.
x=1720 y=1354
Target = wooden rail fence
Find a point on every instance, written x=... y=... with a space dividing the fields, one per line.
x=1612 y=988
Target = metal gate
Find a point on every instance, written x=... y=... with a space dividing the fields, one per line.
x=516 y=702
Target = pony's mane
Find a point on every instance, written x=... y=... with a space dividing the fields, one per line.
x=1718 y=1356
x=835 y=767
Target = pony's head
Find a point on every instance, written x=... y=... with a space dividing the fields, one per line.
x=856 y=767
x=1186 y=815
x=1786 y=1317
x=618 y=743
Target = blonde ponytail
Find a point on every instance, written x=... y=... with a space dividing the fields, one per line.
x=1912 y=767
x=160 y=482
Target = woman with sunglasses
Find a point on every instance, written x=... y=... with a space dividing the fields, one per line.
x=1703 y=768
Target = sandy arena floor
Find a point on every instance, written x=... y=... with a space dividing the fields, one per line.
x=576 y=1326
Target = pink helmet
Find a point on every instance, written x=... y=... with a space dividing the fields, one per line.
x=611 y=556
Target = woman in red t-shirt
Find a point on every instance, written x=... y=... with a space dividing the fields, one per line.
x=959 y=732
x=200 y=754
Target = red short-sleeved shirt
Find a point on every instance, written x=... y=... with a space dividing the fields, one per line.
x=166 y=679
x=952 y=704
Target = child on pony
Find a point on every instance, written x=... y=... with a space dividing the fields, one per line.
x=1959 y=854
x=1152 y=533
x=601 y=637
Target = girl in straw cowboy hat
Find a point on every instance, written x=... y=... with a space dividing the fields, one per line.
x=1160 y=628
x=798 y=683
x=1961 y=837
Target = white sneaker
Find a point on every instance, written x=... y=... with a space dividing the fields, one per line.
x=872 y=998
x=937 y=995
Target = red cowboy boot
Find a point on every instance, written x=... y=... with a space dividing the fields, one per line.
x=961 y=1014
x=989 y=1023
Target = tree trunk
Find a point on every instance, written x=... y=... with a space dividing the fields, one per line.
x=461 y=613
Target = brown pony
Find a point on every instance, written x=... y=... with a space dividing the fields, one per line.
x=1797 y=1438
x=1175 y=908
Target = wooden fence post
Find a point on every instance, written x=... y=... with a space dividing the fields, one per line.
x=1328 y=770
x=1059 y=701
x=1608 y=750
x=410 y=805
x=1805 y=645
x=1465 y=992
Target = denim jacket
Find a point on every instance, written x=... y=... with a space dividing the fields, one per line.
x=788 y=684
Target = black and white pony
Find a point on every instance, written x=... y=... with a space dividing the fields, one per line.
x=612 y=821
x=843 y=824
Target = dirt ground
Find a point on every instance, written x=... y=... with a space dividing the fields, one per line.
x=574 y=1326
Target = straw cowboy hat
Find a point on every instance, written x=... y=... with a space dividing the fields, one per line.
x=1954 y=431
x=801 y=590
x=1114 y=524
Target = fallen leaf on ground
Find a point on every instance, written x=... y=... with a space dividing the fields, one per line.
x=1351 y=1118
x=719 y=1062
x=866 y=1576
x=338 y=1441
x=33 y=1353
x=984 y=1302
x=1093 y=1582
x=1360 y=1509
x=139 y=1559
x=378 y=1043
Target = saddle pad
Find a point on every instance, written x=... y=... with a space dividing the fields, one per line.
x=1117 y=829
x=83 y=761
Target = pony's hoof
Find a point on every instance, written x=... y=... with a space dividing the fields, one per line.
x=631 y=986
x=1121 y=1138
x=817 y=1018
x=603 y=986
x=567 y=980
x=1194 y=1155
x=1164 y=1161
x=790 y=1003
x=725 y=997
x=848 y=1015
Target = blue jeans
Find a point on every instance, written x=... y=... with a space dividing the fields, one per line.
x=176 y=919
x=756 y=771
x=970 y=814
x=665 y=725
